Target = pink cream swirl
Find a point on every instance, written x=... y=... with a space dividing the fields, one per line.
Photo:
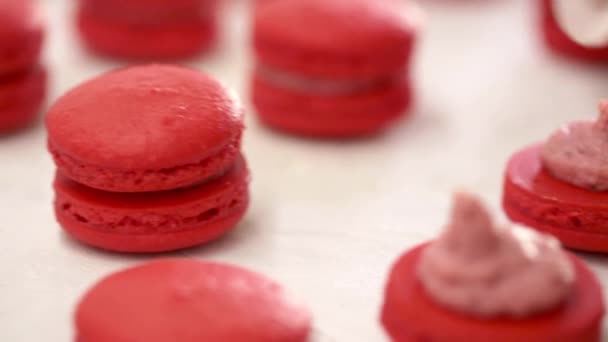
x=479 y=268
x=577 y=152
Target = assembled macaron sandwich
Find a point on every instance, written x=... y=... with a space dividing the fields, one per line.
x=148 y=159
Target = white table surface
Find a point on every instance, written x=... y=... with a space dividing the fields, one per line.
x=327 y=219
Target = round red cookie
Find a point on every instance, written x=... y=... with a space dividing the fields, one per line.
x=339 y=115
x=171 y=41
x=181 y=300
x=534 y=198
x=410 y=315
x=561 y=43
x=145 y=128
x=315 y=37
x=21 y=35
x=156 y=221
x=160 y=29
x=21 y=97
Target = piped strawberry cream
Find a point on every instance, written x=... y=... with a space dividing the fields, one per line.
x=576 y=153
x=560 y=186
x=479 y=281
x=481 y=268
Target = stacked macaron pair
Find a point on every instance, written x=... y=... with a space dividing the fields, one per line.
x=22 y=78
x=333 y=68
x=148 y=29
x=148 y=159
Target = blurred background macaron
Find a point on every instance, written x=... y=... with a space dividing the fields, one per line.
x=559 y=17
x=333 y=68
x=22 y=78
x=149 y=30
x=152 y=221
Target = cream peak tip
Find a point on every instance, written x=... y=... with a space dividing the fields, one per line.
x=602 y=121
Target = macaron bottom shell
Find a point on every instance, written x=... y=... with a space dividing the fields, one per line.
x=355 y=114
x=410 y=315
x=534 y=198
x=152 y=222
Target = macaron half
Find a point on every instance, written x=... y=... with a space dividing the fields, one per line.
x=534 y=197
x=21 y=35
x=145 y=128
x=155 y=221
x=159 y=29
x=21 y=97
x=410 y=314
x=182 y=300
x=559 y=42
x=22 y=78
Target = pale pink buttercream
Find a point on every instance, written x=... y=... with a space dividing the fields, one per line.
x=577 y=152
x=477 y=267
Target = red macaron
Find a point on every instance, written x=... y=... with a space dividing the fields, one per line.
x=535 y=198
x=154 y=221
x=145 y=128
x=22 y=79
x=21 y=35
x=160 y=29
x=559 y=42
x=313 y=78
x=410 y=315
x=180 y=300
x=21 y=97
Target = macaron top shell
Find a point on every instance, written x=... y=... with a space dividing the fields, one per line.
x=342 y=27
x=136 y=10
x=144 y=117
x=156 y=4
x=189 y=301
